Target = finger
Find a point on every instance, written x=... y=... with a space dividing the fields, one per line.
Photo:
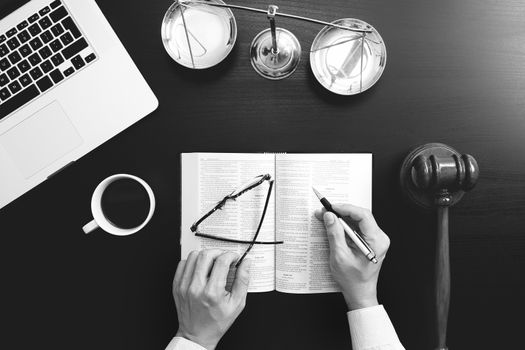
x=319 y=213
x=204 y=264
x=382 y=245
x=241 y=281
x=187 y=275
x=363 y=217
x=220 y=270
x=335 y=232
x=178 y=274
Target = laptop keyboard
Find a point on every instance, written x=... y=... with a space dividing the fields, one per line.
x=39 y=53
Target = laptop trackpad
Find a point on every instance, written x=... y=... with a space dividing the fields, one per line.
x=41 y=139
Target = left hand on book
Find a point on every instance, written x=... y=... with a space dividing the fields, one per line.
x=205 y=309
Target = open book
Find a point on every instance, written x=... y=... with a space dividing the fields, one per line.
x=301 y=264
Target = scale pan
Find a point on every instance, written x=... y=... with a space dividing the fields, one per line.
x=347 y=62
x=210 y=36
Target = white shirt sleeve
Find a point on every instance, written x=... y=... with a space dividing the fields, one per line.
x=371 y=329
x=180 y=343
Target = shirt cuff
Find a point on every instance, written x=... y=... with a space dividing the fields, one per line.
x=180 y=343
x=371 y=328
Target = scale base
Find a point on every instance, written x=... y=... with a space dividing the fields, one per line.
x=275 y=65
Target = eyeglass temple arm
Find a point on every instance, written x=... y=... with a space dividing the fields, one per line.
x=249 y=186
x=232 y=240
x=219 y=205
x=258 y=227
x=252 y=9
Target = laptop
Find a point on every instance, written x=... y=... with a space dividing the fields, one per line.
x=66 y=86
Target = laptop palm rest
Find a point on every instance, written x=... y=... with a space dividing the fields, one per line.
x=41 y=139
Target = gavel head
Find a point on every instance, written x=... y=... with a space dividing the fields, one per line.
x=438 y=171
x=450 y=173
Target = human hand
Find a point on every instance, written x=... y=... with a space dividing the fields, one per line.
x=355 y=274
x=205 y=309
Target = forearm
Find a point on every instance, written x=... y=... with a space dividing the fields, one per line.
x=371 y=329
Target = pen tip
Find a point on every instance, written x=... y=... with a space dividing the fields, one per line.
x=374 y=260
x=317 y=193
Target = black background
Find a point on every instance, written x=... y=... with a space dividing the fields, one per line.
x=455 y=74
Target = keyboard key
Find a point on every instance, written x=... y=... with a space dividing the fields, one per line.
x=13 y=43
x=22 y=25
x=56 y=45
x=4 y=64
x=57 y=59
x=11 y=32
x=90 y=58
x=78 y=62
x=56 y=75
x=45 y=23
x=47 y=66
x=14 y=57
x=25 y=50
x=34 y=29
x=58 y=14
x=14 y=87
x=2 y=38
x=34 y=59
x=44 y=11
x=18 y=100
x=75 y=48
x=24 y=66
x=3 y=79
x=68 y=71
x=44 y=84
x=66 y=39
x=36 y=73
x=36 y=43
x=57 y=29
x=13 y=73
x=46 y=36
x=3 y=50
x=45 y=52
x=55 y=4
x=25 y=80
x=72 y=27
x=4 y=95
x=24 y=36
x=33 y=18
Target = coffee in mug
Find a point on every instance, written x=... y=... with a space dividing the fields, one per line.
x=121 y=205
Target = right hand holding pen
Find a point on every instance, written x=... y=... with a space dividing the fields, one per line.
x=355 y=274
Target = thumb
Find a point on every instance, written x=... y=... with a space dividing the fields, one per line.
x=242 y=280
x=334 y=231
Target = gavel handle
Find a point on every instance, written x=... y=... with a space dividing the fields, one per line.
x=442 y=276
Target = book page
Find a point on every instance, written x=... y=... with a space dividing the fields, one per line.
x=206 y=179
x=302 y=262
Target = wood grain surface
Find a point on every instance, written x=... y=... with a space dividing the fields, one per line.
x=455 y=74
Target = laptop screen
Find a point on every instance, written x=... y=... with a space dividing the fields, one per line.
x=8 y=6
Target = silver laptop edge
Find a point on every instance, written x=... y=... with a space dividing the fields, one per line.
x=103 y=95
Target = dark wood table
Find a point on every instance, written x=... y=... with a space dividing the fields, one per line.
x=455 y=74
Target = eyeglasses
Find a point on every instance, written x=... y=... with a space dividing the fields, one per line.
x=257 y=181
x=347 y=56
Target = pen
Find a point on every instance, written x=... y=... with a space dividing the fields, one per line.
x=354 y=236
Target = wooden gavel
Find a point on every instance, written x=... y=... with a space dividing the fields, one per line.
x=437 y=176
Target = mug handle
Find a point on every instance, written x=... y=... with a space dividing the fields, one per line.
x=90 y=227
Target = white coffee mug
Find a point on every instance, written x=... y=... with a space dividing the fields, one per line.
x=99 y=220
